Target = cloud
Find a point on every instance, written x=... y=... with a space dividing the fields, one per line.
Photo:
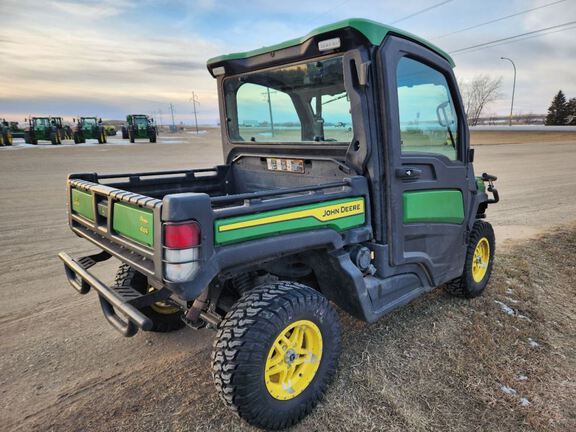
x=94 y=9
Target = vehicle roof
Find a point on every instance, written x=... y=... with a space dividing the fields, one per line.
x=373 y=31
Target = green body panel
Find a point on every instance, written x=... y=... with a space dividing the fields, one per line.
x=437 y=205
x=372 y=30
x=299 y=220
x=480 y=184
x=82 y=204
x=135 y=223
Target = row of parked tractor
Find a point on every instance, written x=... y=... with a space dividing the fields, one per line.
x=53 y=129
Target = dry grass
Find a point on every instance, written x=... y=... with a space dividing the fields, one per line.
x=438 y=364
x=479 y=137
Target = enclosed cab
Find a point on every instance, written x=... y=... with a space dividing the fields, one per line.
x=42 y=128
x=89 y=128
x=347 y=180
x=139 y=126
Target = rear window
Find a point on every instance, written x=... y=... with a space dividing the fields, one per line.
x=304 y=102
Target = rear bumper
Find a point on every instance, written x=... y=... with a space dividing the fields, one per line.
x=119 y=304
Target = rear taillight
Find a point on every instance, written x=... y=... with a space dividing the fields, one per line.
x=181 y=235
x=181 y=250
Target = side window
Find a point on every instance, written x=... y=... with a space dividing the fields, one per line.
x=428 y=121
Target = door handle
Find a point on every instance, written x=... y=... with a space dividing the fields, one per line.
x=408 y=173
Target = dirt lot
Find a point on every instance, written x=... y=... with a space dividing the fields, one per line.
x=438 y=364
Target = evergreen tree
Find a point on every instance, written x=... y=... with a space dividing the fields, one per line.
x=558 y=112
x=572 y=111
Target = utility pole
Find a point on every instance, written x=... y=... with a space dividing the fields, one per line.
x=513 y=89
x=173 y=127
x=194 y=100
x=270 y=110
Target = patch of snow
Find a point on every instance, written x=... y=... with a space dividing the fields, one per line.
x=505 y=308
x=533 y=343
x=524 y=317
x=521 y=378
x=524 y=402
x=508 y=390
x=511 y=300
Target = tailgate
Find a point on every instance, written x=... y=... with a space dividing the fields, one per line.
x=125 y=224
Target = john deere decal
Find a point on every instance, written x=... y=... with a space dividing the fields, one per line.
x=338 y=215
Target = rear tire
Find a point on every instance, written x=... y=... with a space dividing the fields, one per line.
x=30 y=139
x=153 y=137
x=8 y=139
x=131 y=136
x=54 y=138
x=479 y=263
x=124 y=132
x=275 y=354
x=163 y=320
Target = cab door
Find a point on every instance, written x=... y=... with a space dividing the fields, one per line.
x=425 y=151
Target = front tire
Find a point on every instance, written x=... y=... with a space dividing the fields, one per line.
x=479 y=263
x=275 y=354
x=165 y=318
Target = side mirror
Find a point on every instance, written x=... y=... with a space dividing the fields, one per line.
x=471 y=155
x=100 y=120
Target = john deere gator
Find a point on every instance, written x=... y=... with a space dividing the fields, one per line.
x=303 y=216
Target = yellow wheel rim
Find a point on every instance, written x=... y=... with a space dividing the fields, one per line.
x=293 y=360
x=162 y=307
x=480 y=260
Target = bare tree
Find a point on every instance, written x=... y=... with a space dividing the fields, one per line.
x=478 y=94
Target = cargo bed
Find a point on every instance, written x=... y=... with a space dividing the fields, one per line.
x=123 y=214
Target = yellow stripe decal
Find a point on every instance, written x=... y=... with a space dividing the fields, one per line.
x=323 y=214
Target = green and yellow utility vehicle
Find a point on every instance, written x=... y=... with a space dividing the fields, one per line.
x=304 y=215
x=41 y=128
x=139 y=126
x=110 y=130
x=89 y=128
x=6 y=138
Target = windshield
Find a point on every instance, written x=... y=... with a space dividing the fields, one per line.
x=305 y=102
x=41 y=122
x=89 y=121
x=141 y=121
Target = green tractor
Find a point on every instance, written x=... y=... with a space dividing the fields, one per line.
x=5 y=133
x=41 y=128
x=65 y=130
x=139 y=126
x=89 y=128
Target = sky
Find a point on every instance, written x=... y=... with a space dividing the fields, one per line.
x=112 y=57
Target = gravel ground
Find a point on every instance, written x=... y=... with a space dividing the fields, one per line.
x=438 y=364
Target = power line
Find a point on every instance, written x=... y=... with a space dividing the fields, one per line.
x=519 y=40
x=458 y=51
x=421 y=11
x=316 y=16
x=495 y=20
